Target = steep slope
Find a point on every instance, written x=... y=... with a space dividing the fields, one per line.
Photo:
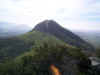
x=53 y=28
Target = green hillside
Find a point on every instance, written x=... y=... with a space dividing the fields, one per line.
x=37 y=61
x=12 y=47
x=34 y=52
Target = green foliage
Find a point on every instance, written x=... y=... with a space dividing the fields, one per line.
x=33 y=53
x=39 y=58
x=15 y=46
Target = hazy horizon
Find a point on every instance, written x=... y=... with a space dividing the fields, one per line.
x=71 y=14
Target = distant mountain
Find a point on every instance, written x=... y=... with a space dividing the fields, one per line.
x=92 y=37
x=11 y=29
x=53 y=28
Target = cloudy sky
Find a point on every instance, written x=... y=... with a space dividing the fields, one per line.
x=72 y=14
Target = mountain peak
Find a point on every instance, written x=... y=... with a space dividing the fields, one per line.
x=47 y=23
x=47 y=26
x=53 y=28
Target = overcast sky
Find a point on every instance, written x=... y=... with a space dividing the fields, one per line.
x=72 y=14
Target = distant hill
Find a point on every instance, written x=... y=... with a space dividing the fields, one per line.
x=53 y=28
x=11 y=29
x=92 y=37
